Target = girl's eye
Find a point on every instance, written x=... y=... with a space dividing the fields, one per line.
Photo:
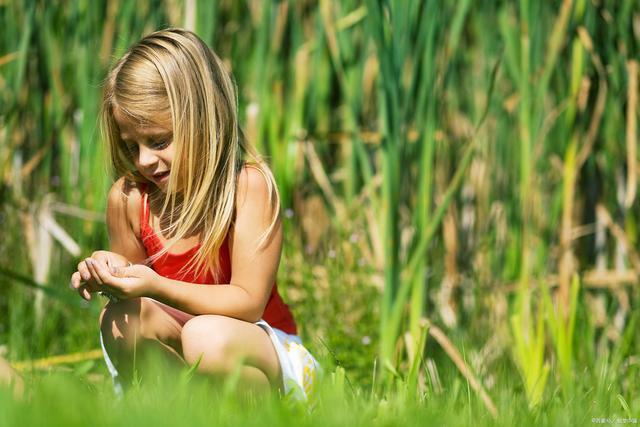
x=133 y=149
x=159 y=144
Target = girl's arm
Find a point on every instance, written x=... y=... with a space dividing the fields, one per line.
x=122 y=210
x=123 y=224
x=253 y=269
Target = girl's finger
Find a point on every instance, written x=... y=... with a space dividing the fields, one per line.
x=102 y=272
x=91 y=265
x=84 y=293
x=116 y=285
x=84 y=272
x=75 y=281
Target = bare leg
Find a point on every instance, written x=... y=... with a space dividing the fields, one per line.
x=139 y=326
x=221 y=344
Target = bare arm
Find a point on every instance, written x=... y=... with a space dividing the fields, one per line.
x=123 y=206
x=253 y=268
x=122 y=209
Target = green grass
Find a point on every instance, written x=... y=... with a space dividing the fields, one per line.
x=70 y=399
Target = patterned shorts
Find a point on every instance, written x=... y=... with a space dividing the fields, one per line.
x=299 y=368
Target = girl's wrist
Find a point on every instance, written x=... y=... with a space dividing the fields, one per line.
x=153 y=286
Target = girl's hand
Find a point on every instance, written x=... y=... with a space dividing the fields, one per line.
x=85 y=282
x=124 y=282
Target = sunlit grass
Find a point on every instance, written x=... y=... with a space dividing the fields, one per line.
x=70 y=399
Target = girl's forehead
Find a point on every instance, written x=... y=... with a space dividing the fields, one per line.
x=132 y=129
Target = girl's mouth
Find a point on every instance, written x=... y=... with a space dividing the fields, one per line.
x=161 y=177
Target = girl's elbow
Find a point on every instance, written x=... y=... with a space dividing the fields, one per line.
x=253 y=315
x=253 y=307
x=254 y=311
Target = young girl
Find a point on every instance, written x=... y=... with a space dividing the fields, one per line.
x=188 y=213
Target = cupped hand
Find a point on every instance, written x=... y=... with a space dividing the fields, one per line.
x=85 y=281
x=127 y=282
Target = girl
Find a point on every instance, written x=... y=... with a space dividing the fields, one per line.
x=186 y=213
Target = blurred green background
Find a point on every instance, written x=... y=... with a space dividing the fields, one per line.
x=464 y=168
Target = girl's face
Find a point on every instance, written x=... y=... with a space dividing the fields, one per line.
x=151 y=148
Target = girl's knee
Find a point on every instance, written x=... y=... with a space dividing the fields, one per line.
x=126 y=320
x=207 y=340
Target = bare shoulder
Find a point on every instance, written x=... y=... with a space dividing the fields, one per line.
x=123 y=206
x=252 y=183
x=256 y=193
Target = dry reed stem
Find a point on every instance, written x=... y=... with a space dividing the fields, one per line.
x=5 y=59
x=328 y=20
x=556 y=40
x=619 y=234
x=632 y=148
x=432 y=370
x=451 y=277
x=190 y=15
x=591 y=279
x=108 y=32
x=318 y=172
x=41 y=255
x=11 y=377
x=373 y=250
x=314 y=221
x=583 y=230
x=374 y=235
x=608 y=279
x=454 y=355
x=367 y=137
x=77 y=212
x=352 y=18
x=48 y=362
x=601 y=100
x=173 y=9
x=279 y=27
x=34 y=161
x=58 y=233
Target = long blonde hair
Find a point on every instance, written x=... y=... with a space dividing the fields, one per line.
x=172 y=74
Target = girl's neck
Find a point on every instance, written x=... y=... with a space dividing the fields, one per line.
x=165 y=220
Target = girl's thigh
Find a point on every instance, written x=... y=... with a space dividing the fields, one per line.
x=180 y=316
x=128 y=321
x=220 y=343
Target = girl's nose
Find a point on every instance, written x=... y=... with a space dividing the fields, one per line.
x=146 y=156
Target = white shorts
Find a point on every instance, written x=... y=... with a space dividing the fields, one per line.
x=299 y=368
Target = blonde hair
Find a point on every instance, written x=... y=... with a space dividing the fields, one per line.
x=173 y=75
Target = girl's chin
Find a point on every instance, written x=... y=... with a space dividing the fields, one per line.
x=163 y=186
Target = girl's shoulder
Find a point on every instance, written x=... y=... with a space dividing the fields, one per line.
x=253 y=179
x=124 y=203
x=256 y=185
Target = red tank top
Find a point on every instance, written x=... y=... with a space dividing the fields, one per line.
x=276 y=312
